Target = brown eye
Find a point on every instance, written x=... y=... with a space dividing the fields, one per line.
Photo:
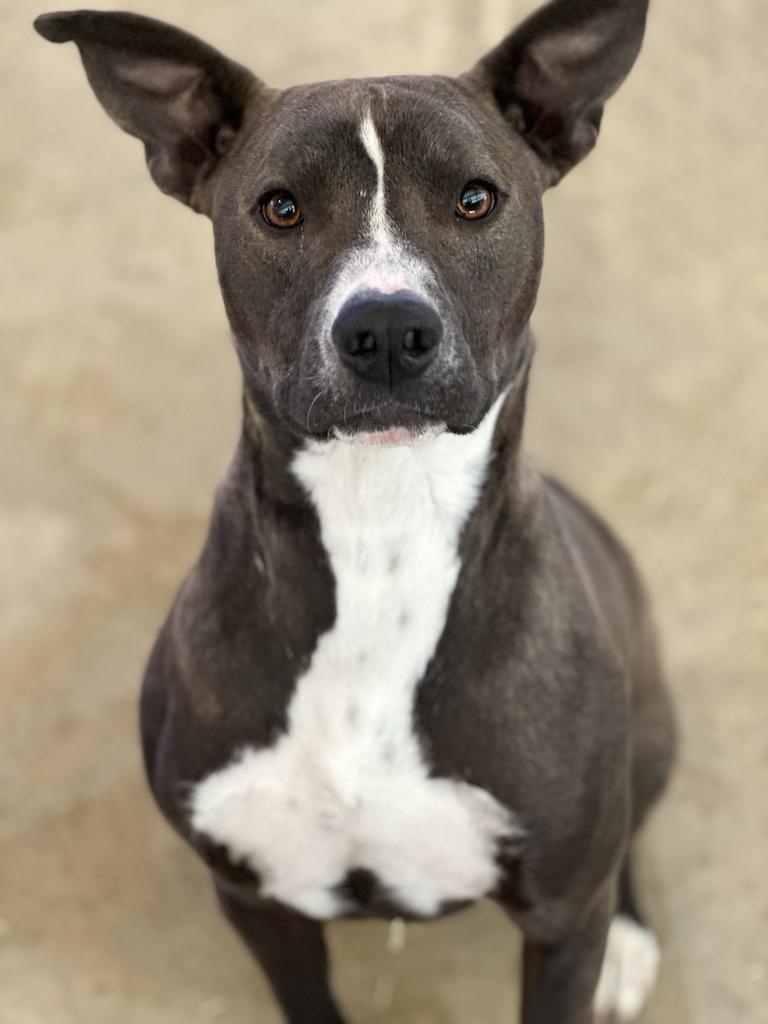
x=281 y=210
x=477 y=201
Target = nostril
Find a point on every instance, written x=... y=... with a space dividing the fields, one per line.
x=412 y=341
x=361 y=344
x=418 y=343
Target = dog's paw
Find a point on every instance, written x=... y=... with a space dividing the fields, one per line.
x=629 y=971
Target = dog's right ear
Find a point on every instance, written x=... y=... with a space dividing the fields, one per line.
x=182 y=98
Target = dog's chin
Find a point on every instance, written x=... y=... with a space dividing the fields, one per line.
x=393 y=437
x=388 y=425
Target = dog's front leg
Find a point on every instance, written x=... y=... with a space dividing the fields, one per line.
x=292 y=953
x=559 y=980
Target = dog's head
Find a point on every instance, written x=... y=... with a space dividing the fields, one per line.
x=379 y=242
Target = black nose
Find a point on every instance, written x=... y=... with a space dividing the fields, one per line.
x=387 y=338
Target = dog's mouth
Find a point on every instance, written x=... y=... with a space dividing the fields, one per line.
x=390 y=424
x=395 y=436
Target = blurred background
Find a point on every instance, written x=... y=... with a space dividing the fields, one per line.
x=119 y=410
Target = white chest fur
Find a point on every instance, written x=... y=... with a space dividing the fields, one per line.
x=347 y=786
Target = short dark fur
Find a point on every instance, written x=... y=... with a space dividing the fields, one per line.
x=545 y=687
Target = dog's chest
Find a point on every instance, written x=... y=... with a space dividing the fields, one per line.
x=347 y=786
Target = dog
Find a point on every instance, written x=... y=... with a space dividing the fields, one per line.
x=407 y=672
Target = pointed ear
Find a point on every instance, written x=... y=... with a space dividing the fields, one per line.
x=183 y=99
x=552 y=75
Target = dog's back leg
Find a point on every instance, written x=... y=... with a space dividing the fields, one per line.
x=632 y=956
x=654 y=727
x=291 y=951
x=559 y=977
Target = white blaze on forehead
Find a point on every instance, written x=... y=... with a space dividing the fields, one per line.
x=378 y=212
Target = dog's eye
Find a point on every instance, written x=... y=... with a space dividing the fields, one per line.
x=281 y=210
x=477 y=201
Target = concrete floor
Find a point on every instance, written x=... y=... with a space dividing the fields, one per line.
x=118 y=410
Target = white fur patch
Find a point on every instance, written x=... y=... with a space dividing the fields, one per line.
x=347 y=785
x=380 y=268
x=379 y=225
x=629 y=972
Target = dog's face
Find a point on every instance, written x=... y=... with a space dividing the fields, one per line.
x=379 y=242
x=379 y=246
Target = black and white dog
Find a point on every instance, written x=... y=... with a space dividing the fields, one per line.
x=407 y=672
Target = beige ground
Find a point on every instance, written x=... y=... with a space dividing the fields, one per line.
x=118 y=409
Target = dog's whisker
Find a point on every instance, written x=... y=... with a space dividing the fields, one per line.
x=309 y=411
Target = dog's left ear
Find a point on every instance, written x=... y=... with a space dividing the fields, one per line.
x=553 y=74
x=182 y=98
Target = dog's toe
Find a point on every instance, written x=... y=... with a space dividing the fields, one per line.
x=629 y=971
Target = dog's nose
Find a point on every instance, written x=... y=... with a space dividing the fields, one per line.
x=387 y=338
